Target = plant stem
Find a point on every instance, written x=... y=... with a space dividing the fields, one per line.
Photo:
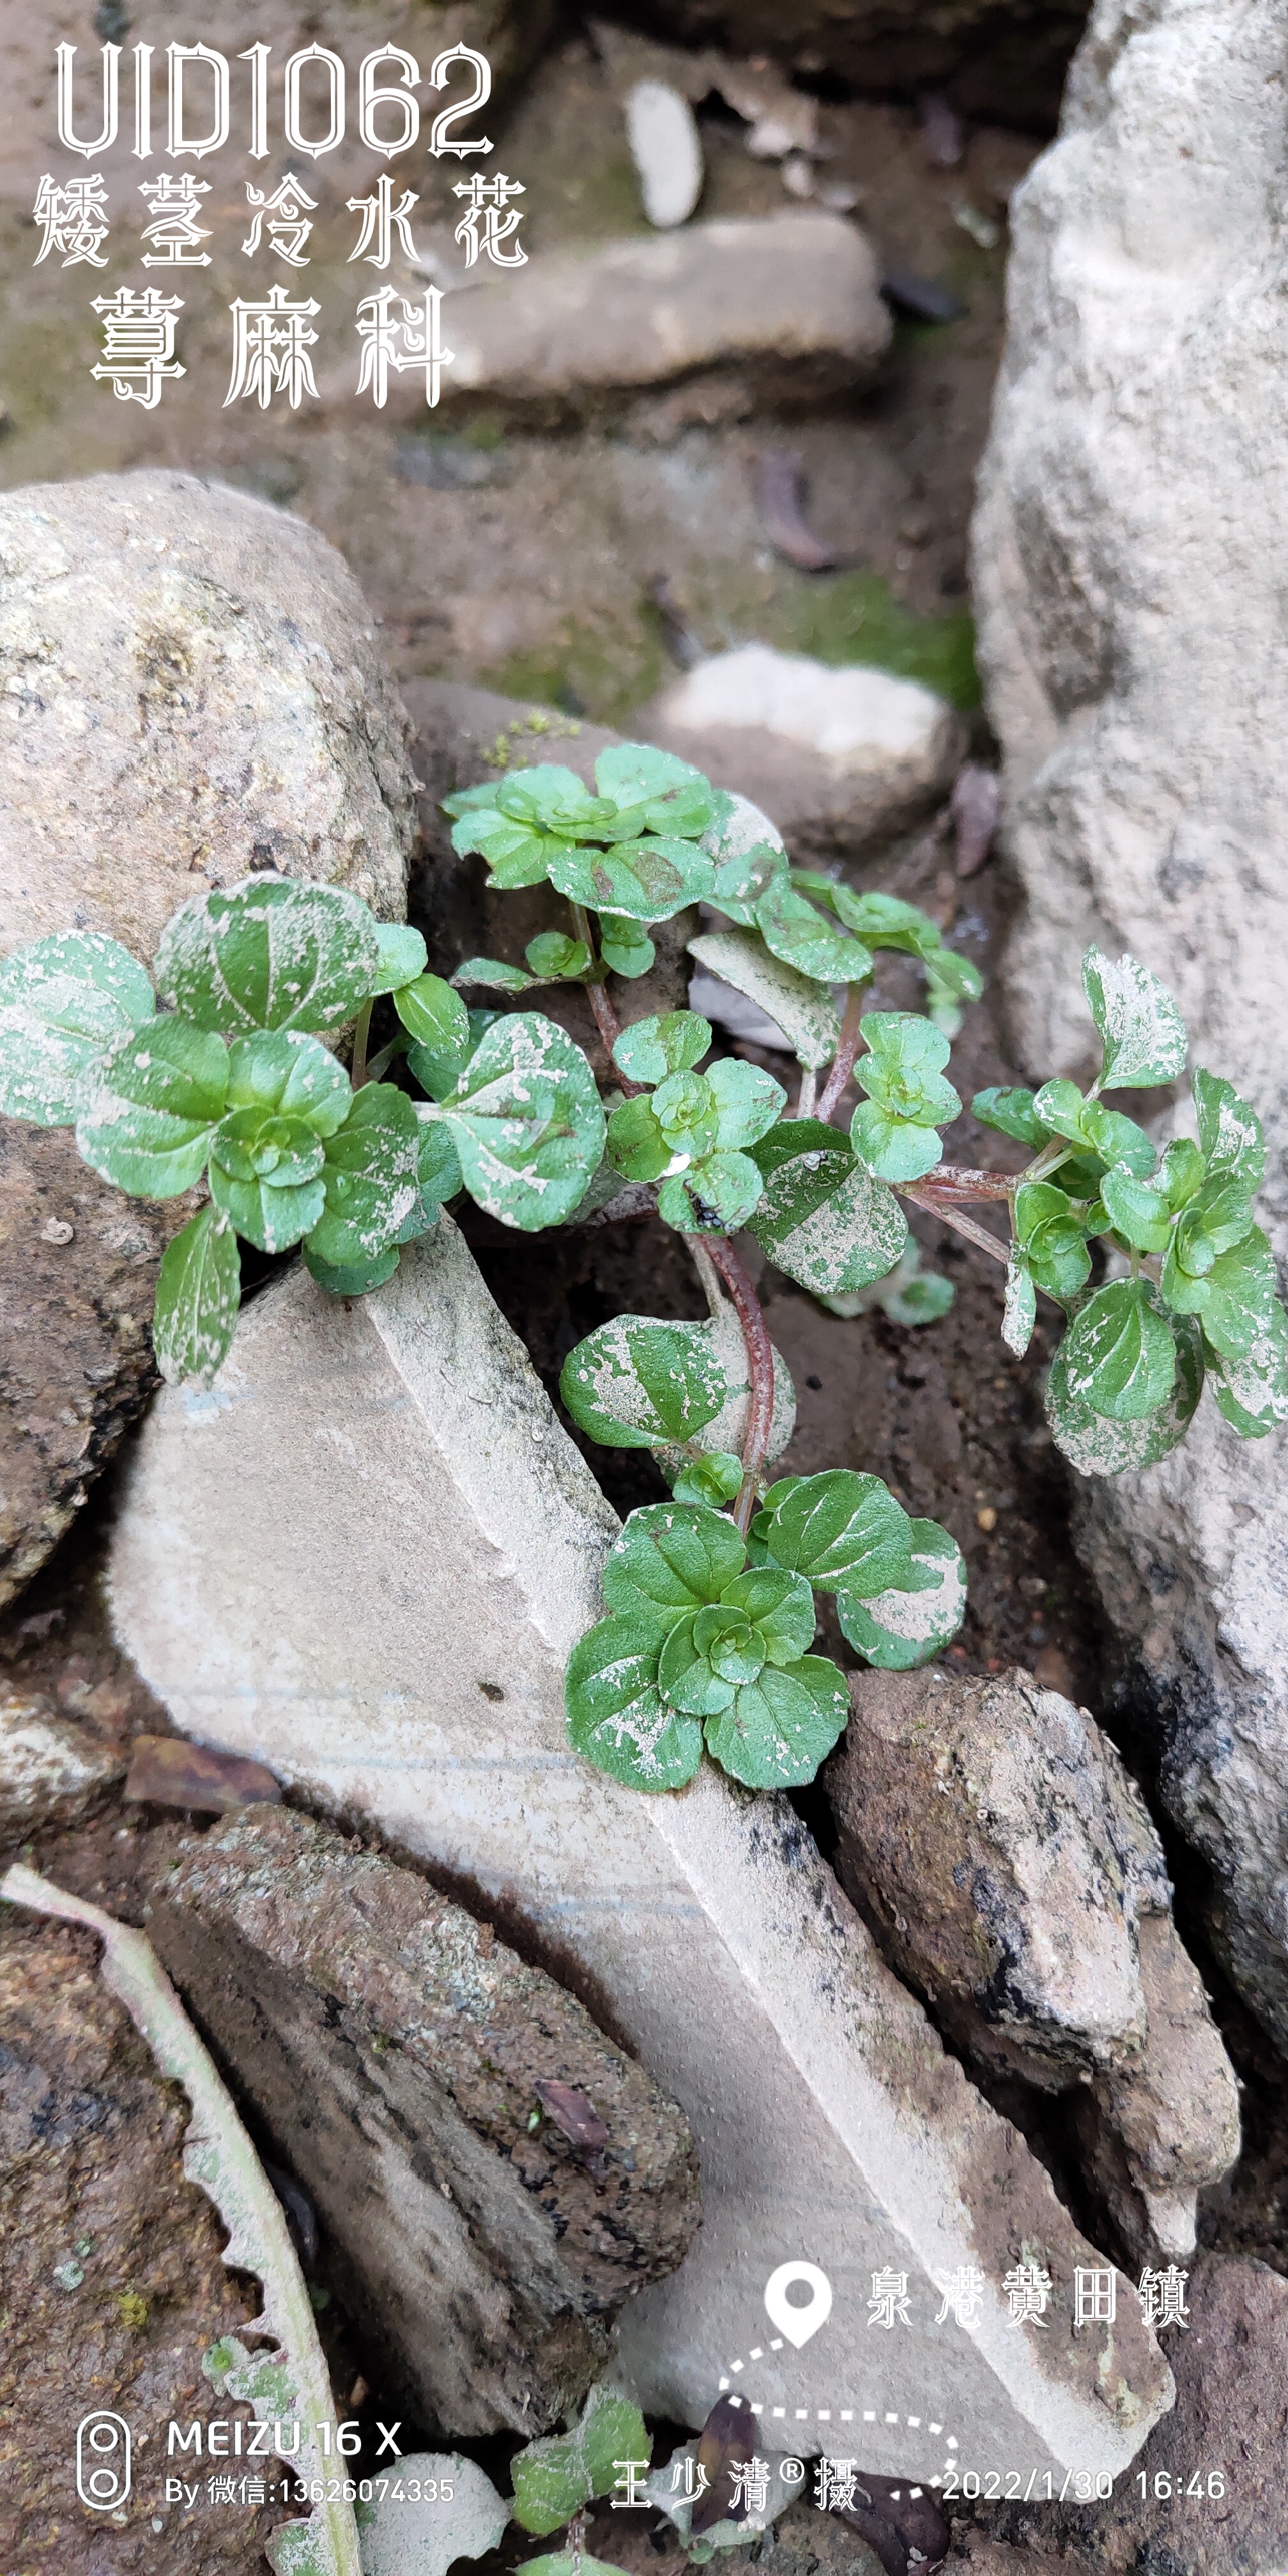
x=956 y=1182
x=707 y=1272
x=760 y=1369
x=847 y=1047
x=606 y=1019
x=361 y=1033
x=809 y=1085
x=949 y=1214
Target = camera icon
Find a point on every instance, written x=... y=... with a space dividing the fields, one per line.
x=102 y=2460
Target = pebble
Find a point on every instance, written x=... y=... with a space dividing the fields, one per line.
x=667 y=152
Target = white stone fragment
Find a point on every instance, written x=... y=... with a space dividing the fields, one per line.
x=834 y=755
x=50 y=1769
x=364 y=1557
x=400 y=2537
x=666 y=149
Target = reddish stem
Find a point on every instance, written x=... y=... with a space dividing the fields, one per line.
x=949 y=1214
x=847 y=1047
x=957 y=1182
x=760 y=1367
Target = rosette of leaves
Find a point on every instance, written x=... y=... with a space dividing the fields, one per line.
x=689 y=1131
x=1199 y=1296
x=231 y=1084
x=894 y=1131
x=699 y=1645
x=884 y=921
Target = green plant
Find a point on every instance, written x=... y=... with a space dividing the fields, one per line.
x=709 y=1623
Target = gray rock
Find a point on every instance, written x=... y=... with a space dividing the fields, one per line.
x=78 y=1268
x=990 y=1832
x=840 y=758
x=1003 y=57
x=190 y=689
x=394 y=2048
x=51 y=1771
x=788 y=301
x=364 y=1558
x=402 y=2538
x=1130 y=566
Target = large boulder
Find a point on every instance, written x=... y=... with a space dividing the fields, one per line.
x=1131 y=560
x=190 y=689
x=365 y=1557
x=1003 y=57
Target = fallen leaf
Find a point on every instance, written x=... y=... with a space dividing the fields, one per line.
x=168 y=1771
x=573 y=2114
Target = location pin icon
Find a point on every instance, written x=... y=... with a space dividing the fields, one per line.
x=798 y=2323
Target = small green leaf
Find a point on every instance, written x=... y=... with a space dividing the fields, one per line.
x=838 y=1529
x=1010 y=1113
x=371 y=1179
x=713 y=1480
x=715 y=1196
x=881 y=920
x=636 y=1145
x=287 y=1075
x=637 y=773
x=1020 y=1310
x=269 y=954
x=1182 y=1171
x=434 y=1015
x=820 y=1216
x=1119 y=1352
x=352 y=1279
x=198 y=1293
x=63 y=1002
x=517 y=854
x=748 y=1102
x=1096 y=1446
x=1230 y=1133
x=612 y=2427
x=618 y=1721
x=526 y=1121
x=625 y=949
x=908 y=1624
x=685 y=1109
x=1105 y=1132
x=804 y=1011
x=647 y=880
x=493 y=974
x=147 y=1109
x=1137 y=1213
x=1252 y=1391
x=438 y=1177
x=271 y=1216
x=635 y=1383
x=781 y=1726
x=556 y=958
x=402 y=956
x=800 y=936
x=550 y=2483
x=891 y=1148
x=748 y=853
x=651 y=1049
x=1141 y=1028
x=1233 y=1298
x=670 y=1558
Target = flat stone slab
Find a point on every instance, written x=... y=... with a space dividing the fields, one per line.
x=363 y=1558
x=789 y=300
